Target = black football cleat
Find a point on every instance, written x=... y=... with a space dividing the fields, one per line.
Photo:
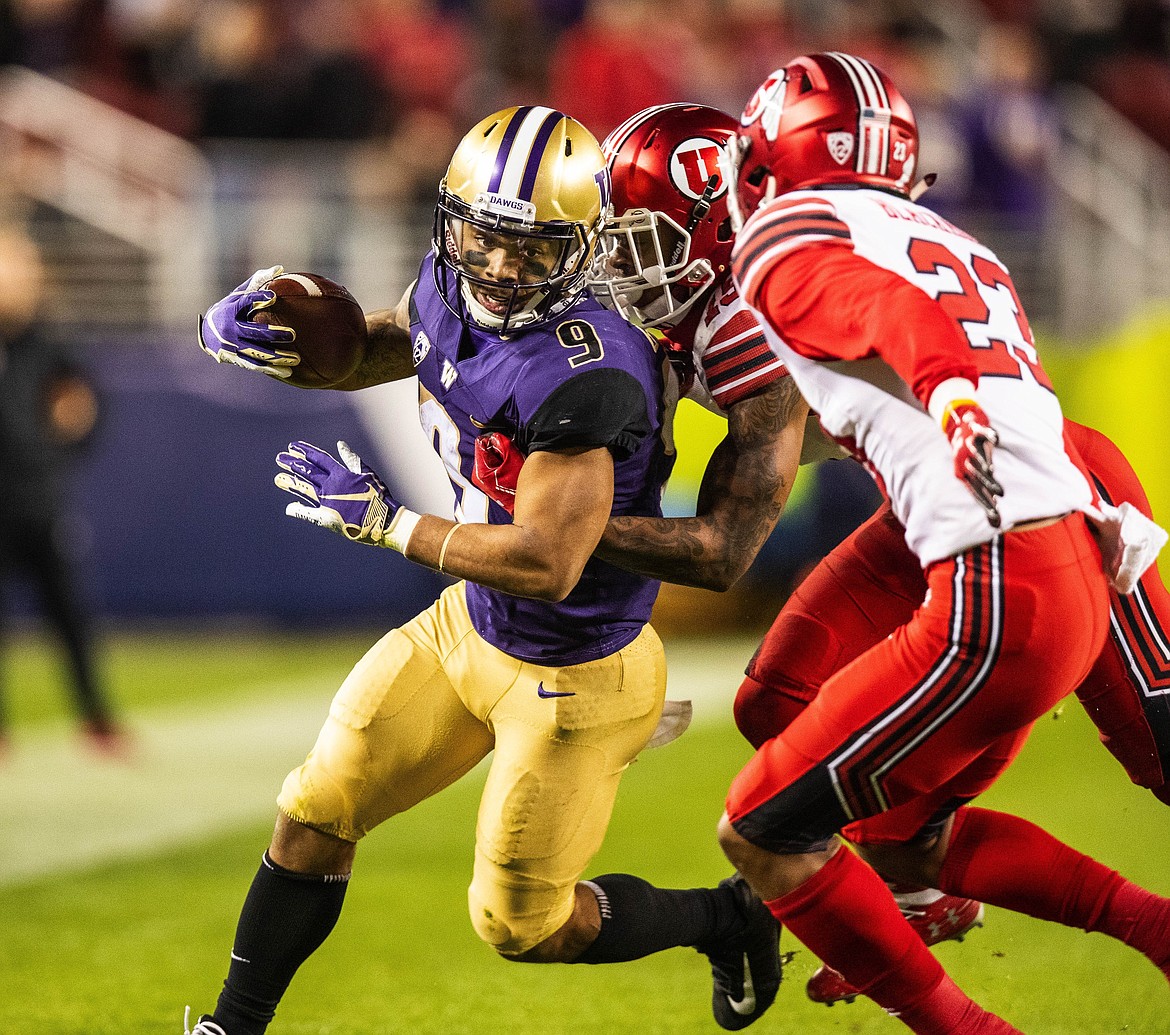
x=745 y=966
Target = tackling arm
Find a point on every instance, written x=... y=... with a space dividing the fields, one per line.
x=742 y=495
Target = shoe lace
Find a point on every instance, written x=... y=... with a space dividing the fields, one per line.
x=201 y=1027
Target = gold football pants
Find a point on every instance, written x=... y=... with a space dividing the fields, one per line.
x=429 y=701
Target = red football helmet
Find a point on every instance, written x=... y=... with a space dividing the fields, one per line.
x=822 y=119
x=670 y=235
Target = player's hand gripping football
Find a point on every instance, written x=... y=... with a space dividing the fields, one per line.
x=228 y=333
x=972 y=441
x=343 y=495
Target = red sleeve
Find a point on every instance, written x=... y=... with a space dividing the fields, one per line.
x=738 y=363
x=1109 y=472
x=827 y=302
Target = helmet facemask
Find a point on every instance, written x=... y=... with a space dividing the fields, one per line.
x=645 y=271
x=511 y=272
x=756 y=188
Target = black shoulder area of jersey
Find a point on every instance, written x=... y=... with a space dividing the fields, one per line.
x=593 y=409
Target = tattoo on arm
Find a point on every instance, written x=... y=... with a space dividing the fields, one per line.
x=742 y=495
x=387 y=356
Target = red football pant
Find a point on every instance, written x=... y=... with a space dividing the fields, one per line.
x=871 y=584
x=935 y=711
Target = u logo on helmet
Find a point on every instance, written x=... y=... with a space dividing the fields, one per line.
x=693 y=163
x=767 y=104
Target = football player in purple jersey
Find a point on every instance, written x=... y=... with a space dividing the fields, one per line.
x=547 y=411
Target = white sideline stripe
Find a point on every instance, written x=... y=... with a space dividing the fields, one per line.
x=708 y=672
x=200 y=773
x=195 y=774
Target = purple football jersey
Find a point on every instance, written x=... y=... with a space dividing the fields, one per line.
x=587 y=378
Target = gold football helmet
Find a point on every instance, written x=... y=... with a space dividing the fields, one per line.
x=519 y=217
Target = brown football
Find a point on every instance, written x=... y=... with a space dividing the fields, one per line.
x=329 y=324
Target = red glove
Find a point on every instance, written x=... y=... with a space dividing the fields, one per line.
x=972 y=441
x=497 y=468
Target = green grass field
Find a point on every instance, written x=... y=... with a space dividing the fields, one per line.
x=108 y=935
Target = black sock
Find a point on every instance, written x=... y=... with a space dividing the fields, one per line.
x=286 y=916
x=638 y=919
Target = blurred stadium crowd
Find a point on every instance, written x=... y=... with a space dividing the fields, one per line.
x=407 y=76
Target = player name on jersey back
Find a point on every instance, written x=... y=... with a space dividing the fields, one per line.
x=867 y=404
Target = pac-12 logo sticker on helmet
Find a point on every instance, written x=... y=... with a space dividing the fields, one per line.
x=840 y=146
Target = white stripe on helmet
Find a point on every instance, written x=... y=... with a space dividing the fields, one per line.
x=873 y=120
x=517 y=161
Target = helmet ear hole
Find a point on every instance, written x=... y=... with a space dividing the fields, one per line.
x=756 y=176
x=724 y=232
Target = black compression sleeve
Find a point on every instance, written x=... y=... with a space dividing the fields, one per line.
x=598 y=408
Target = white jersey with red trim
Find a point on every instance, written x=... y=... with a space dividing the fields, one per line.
x=733 y=360
x=866 y=405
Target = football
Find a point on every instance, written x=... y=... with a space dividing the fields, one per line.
x=329 y=324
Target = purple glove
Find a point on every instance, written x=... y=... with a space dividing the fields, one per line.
x=229 y=335
x=343 y=495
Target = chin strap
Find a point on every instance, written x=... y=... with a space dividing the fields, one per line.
x=770 y=192
x=922 y=186
x=703 y=205
x=730 y=174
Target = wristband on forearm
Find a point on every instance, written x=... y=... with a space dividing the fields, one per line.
x=948 y=394
x=446 y=542
x=398 y=533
